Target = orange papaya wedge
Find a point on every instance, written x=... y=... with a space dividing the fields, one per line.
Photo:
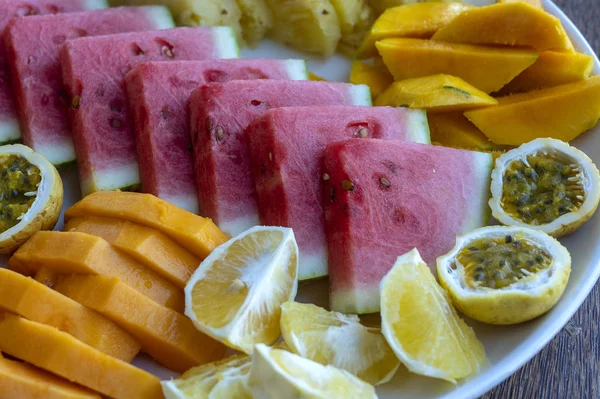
x=59 y=353
x=534 y=3
x=197 y=234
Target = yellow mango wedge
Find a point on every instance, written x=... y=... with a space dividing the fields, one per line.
x=80 y=253
x=197 y=234
x=61 y=354
x=437 y=93
x=34 y=301
x=453 y=129
x=562 y=112
x=552 y=68
x=23 y=381
x=485 y=67
x=315 y=77
x=534 y=3
x=148 y=246
x=510 y=24
x=169 y=337
x=418 y=20
x=376 y=77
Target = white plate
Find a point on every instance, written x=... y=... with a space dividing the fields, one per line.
x=508 y=348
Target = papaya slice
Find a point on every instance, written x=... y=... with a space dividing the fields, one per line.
x=561 y=112
x=197 y=234
x=437 y=93
x=509 y=24
x=418 y=20
x=80 y=253
x=453 y=129
x=148 y=246
x=34 y=301
x=22 y=381
x=552 y=68
x=534 y=3
x=59 y=353
x=377 y=78
x=485 y=67
x=169 y=337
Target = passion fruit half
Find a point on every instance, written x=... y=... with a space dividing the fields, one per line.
x=505 y=275
x=547 y=185
x=31 y=195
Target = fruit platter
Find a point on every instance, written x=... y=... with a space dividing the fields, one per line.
x=290 y=199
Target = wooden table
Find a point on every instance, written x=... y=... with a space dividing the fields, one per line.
x=569 y=367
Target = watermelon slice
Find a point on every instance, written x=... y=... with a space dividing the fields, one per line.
x=33 y=45
x=102 y=125
x=220 y=112
x=9 y=10
x=158 y=94
x=286 y=146
x=384 y=198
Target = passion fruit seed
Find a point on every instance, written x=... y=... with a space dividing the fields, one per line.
x=541 y=188
x=348 y=185
x=499 y=262
x=18 y=189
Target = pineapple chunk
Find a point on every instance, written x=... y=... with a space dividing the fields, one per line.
x=256 y=20
x=308 y=25
x=356 y=18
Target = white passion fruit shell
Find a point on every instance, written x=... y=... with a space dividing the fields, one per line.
x=524 y=299
x=45 y=209
x=586 y=176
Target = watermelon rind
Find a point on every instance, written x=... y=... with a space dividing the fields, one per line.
x=94 y=4
x=161 y=16
x=10 y=131
x=361 y=95
x=296 y=69
x=123 y=177
x=226 y=42
x=418 y=127
x=57 y=153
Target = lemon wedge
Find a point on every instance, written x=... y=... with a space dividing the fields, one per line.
x=277 y=374
x=422 y=326
x=235 y=295
x=339 y=340
x=505 y=275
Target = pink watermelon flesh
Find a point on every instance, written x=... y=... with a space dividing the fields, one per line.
x=102 y=125
x=384 y=198
x=286 y=146
x=9 y=10
x=158 y=95
x=33 y=45
x=220 y=112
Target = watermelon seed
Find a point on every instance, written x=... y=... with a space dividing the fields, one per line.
x=220 y=133
x=270 y=156
x=115 y=123
x=190 y=149
x=30 y=60
x=332 y=194
x=326 y=176
x=167 y=52
x=164 y=113
x=348 y=185
x=75 y=102
x=362 y=133
x=385 y=182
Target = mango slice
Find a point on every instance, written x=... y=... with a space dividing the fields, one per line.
x=561 y=112
x=418 y=20
x=28 y=298
x=437 y=93
x=485 y=67
x=23 y=381
x=197 y=234
x=534 y=3
x=552 y=68
x=453 y=129
x=61 y=354
x=315 y=77
x=510 y=24
x=169 y=337
x=80 y=253
x=376 y=77
x=148 y=246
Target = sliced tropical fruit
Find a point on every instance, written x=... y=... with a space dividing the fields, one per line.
x=534 y=3
x=80 y=253
x=418 y=20
x=277 y=373
x=315 y=77
x=197 y=234
x=561 y=112
x=552 y=68
x=336 y=339
x=235 y=294
x=63 y=355
x=23 y=381
x=169 y=337
x=437 y=93
x=546 y=185
x=511 y=24
x=487 y=68
x=31 y=195
x=34 y=301
x=148 y=246
x=453 y=129
x=356 y=18
x=308 y=25
x=378 y=78
x=422 y=326
x=422 y=195
x=223 y=379
x=505 y=275
x=256 y=20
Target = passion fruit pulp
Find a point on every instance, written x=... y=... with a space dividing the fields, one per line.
x=18 y=188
